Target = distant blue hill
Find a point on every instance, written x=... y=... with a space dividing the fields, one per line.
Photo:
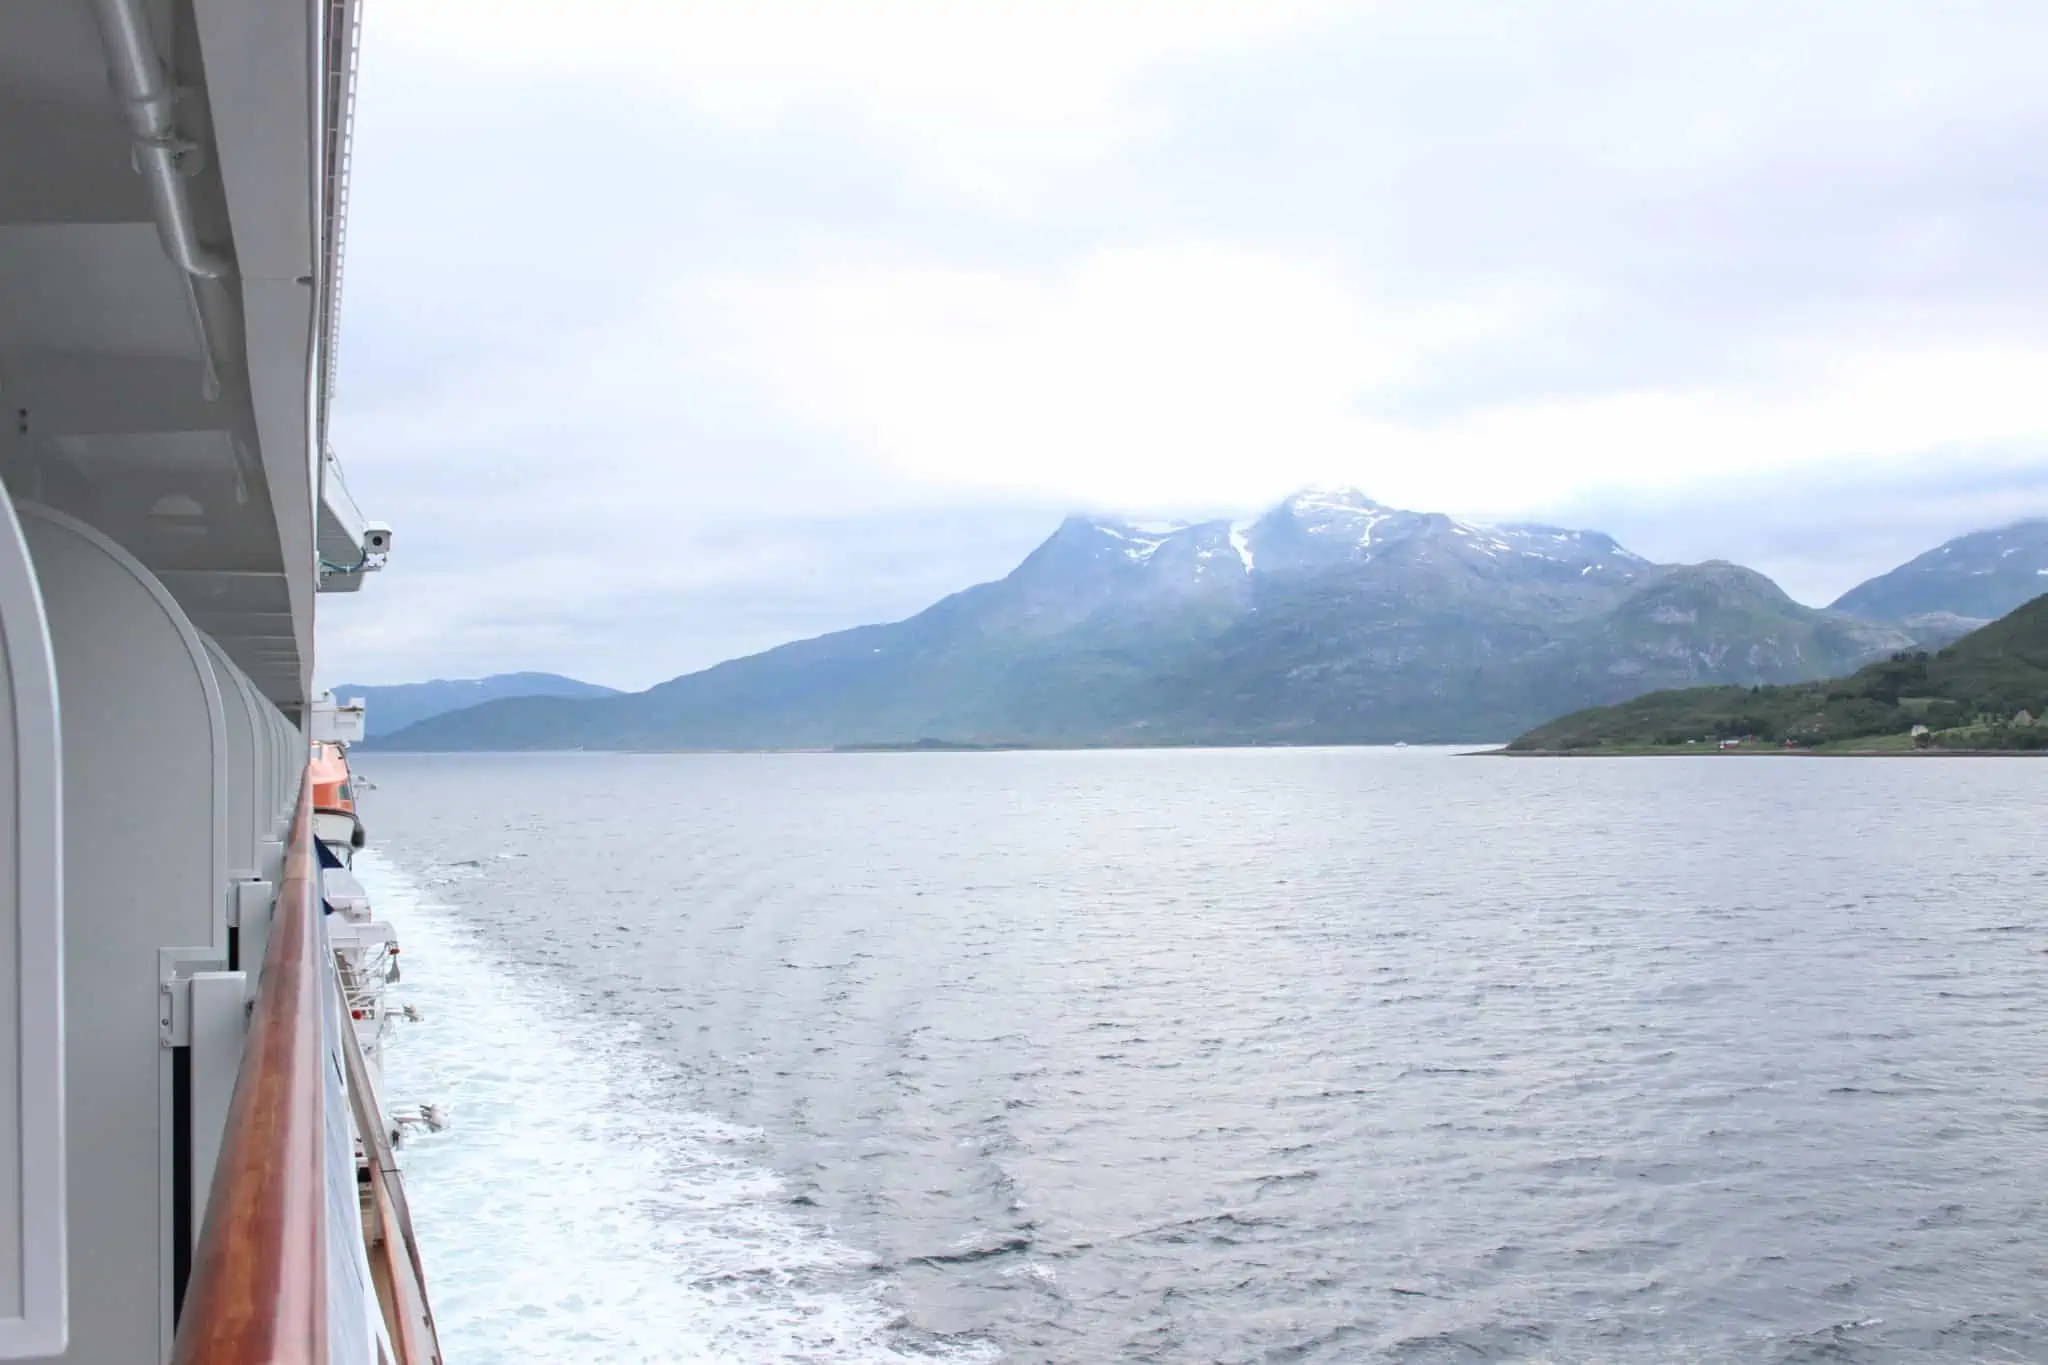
x=401 y=704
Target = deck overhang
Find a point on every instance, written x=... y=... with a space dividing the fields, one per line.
x=180 y=414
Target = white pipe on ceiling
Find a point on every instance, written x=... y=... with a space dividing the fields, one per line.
x=148 y=102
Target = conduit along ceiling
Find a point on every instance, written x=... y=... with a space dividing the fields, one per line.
x=169 y=405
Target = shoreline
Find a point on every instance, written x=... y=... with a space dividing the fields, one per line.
x=372 y=750
x=1465 y=749
x=1691 y=752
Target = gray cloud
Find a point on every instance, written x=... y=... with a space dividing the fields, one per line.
x=1706 y=189
x=699 y=595
x=1820 y=531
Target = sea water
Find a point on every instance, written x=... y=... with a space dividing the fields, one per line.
x=1326 y=1055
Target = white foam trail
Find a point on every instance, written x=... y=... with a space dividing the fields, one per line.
x=570 y=1212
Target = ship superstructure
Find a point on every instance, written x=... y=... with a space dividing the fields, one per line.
x=194 y=1161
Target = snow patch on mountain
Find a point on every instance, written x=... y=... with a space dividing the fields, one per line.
x=1138 y=546
x=1339 y=514
x=1485 y=539
x=1322 y=528
x=1241 y=545
x=1320 y=498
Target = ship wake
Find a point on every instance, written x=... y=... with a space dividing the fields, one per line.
x=571 y=1212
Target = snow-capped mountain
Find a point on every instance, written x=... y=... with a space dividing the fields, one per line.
x=1327 y=618
x=1977 y=577
x=1323 y=529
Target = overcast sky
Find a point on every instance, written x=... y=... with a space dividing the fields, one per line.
x=674 y=329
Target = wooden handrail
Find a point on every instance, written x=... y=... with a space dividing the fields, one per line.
x=258 y=1292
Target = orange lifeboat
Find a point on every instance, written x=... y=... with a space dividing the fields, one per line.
x=335 y=822
x=331 y=789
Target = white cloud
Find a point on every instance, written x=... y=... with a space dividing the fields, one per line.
x=999 y=101
x=1043 y=62
x=628 y=274
x=1197 y=375
x=1133 y=375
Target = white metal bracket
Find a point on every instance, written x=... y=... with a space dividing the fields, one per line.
x=175 y=967
x=249 y=899
x=249 y=907
x=218 y=1022
x=173 y=1013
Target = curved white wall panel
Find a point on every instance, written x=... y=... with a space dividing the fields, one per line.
x=32 y=1116
x=144 y=765
x=239 y=812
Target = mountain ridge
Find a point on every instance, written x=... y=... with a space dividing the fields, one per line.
x=1975 y=578
x=1328 y=618
x=391 y=707
x=1984 y=691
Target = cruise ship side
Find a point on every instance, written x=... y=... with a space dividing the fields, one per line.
x=195 y=1162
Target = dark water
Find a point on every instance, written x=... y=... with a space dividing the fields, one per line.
x=1327 y=1055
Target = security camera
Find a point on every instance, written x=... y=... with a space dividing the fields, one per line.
x=376 y=538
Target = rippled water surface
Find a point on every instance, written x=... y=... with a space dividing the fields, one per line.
x=1279 y=1055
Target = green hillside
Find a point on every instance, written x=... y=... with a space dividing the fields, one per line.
x=1969 y=696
